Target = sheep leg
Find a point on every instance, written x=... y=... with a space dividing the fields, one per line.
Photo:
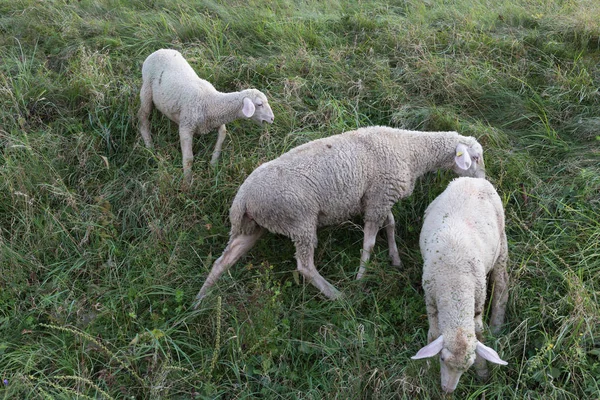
x=220 y=139
x=432 y=315
x=238 y=246
x=370 y=229
x=480 y=363
x=186 y=137
x=499 y=282
x=306 y=266
x=144 y=113
x=390 y=230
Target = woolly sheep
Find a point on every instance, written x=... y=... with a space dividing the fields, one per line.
x=170 y=83
x=326 y=181
x=462 y=241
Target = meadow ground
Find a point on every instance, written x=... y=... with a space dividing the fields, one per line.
x=102 y=253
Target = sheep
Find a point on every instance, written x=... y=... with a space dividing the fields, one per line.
x=462 y=241
x=170 y=83
x=326 y=181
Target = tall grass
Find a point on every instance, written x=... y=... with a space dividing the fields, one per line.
x=101 y=252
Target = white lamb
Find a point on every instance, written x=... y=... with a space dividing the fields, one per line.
x=326 y=181
x=170 y=83
x=462 y=241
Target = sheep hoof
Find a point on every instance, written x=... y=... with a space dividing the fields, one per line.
x=483 y=375
x=187 y=182
x=198 y=300
x=329 y=291
x=335 y=294
x=396 y=263
x=495 y=328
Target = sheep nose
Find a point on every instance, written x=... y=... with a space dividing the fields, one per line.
x=447 y=389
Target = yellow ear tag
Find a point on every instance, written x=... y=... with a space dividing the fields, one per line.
x=460 y=153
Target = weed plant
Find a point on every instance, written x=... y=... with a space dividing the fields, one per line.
x=102 y=253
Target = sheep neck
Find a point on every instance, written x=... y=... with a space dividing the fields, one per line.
x=225 y=108
x=456 y=305
x=432 y=150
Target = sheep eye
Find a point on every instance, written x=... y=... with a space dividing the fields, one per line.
x=259 y=105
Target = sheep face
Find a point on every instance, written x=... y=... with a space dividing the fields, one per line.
x=469 y=160
x=453 y=365
x=457 y=356
x=256 y=107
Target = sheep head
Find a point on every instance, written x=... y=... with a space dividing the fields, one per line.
x=256 y=106
x=456 y=357
x=469 y=160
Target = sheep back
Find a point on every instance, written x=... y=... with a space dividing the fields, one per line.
x=175 y=84
x=463 y=224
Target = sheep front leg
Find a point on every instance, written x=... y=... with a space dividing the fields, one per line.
x=499 y=282
x=306 y=266
x=370 y=230
x=186 y=135
x=238 y=246
x=219 y=145
x=480 y=363
x=390 y=231
x=432 y=316
x=144 y=113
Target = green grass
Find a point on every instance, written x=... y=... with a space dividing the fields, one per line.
x=102 y=253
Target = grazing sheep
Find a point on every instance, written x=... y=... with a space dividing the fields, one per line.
x=170 y=83
x=463 y=240
x=326 y=181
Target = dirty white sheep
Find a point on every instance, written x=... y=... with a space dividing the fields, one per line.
x=329 y=180
x=173 y=87
x=462 y=241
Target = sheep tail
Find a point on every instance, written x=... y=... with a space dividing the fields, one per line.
x=241 y=220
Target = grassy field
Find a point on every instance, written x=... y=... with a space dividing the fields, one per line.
x=102 y=253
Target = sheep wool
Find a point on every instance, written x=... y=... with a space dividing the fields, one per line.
x=328 y=180
x=462 y=241
x=173 y=87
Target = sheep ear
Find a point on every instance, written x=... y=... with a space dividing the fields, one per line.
x=431 y=349
x=462 y=159
x=248 y=108
x=489 y=354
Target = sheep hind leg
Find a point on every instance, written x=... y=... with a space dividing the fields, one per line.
x=370 y=230
x=238 y=246
x=144 y=114
x=219 y=145
x=306 y=266
x=390 y=230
